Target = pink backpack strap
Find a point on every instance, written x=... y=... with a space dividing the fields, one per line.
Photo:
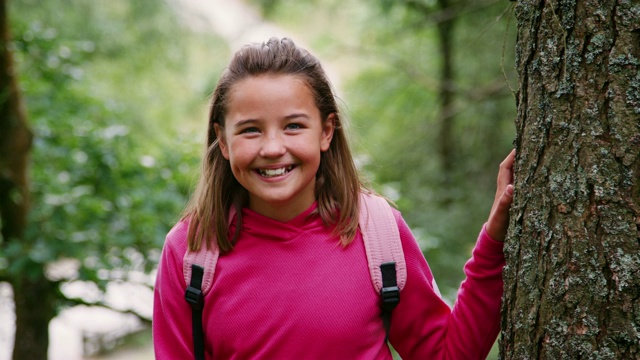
x=207 y=258
x=381 y=239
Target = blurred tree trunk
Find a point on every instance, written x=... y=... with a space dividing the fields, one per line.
x=572 y=280
x=33 y=310
x=445 y=25
x=35 y=301
x=15 y=143
x=444 y=15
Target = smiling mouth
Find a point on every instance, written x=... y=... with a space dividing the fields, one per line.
x=269 y=173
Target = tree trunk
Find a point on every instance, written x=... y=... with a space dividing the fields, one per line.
x=15 y=143
x=31 y=293
x=572 y=280
x=35 y=307
x=446 y=142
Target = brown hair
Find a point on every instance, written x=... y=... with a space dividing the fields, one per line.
x=337 y=181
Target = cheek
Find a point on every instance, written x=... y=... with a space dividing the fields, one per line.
x=239 y=154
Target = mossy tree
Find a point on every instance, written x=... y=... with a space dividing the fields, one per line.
x=572 y=280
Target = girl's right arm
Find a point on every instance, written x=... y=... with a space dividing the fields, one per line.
x=424 y=327
x=171 y=313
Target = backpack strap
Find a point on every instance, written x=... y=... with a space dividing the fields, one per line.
x=195 y=299
x=198 y=269
x=385 y=257
x=205 y=259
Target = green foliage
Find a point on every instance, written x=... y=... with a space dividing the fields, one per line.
x=396 y=111
x=109 y=87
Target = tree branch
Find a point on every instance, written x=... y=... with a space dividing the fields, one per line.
x=80 y=301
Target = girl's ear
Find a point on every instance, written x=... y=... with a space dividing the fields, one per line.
x=222 y=143
x=328 y=126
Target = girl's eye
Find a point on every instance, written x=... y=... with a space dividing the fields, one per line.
x=294 y=126
x=249 y=130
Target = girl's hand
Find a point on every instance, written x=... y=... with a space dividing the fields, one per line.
x=499 y=217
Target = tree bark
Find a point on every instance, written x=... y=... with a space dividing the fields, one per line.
x=572 y=280
x=31 y=293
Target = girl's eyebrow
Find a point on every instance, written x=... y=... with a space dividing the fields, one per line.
x=296 y=115
x=245 y=122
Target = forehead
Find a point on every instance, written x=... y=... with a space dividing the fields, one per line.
x=269 y=83
x=269 y=94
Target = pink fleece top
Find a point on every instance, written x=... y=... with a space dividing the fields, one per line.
x=291 y=291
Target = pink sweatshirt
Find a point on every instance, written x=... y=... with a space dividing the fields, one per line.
x=290 y=291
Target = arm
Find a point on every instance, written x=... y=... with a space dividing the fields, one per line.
x=171 y=313
x=475 y=318
x=423 y=326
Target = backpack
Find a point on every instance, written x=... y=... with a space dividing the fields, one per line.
x=385 y=259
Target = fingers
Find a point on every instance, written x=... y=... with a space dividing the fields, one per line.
x=504 y=203
x=498 y=222
x=510 y=159
x=505 y=175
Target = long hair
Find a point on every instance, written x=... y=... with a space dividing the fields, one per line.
x=337 y=181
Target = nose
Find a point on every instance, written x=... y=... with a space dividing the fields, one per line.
x=273 y=147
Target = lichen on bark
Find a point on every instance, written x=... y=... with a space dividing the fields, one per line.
x=572 y=279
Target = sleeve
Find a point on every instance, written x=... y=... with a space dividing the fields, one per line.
x=171 y=324
x=424 y=327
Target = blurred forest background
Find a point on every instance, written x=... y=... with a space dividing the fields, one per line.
x=116 y=96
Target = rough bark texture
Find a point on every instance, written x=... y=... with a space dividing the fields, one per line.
x=572 y=280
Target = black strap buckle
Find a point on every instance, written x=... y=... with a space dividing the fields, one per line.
x=194 y=297
x=390 y=292
x=390 y=297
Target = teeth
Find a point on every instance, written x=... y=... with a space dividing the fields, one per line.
x=275 y=172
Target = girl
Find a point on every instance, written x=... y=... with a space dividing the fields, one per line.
x=279 y=194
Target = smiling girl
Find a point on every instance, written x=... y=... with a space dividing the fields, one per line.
x=278 y=196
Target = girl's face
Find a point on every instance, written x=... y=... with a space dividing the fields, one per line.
x=273 y=137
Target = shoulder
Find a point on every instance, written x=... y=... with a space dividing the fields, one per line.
x=376 y=207
x=176 y=239
x=402 y=224
x=409 y=242
x=171 y=259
